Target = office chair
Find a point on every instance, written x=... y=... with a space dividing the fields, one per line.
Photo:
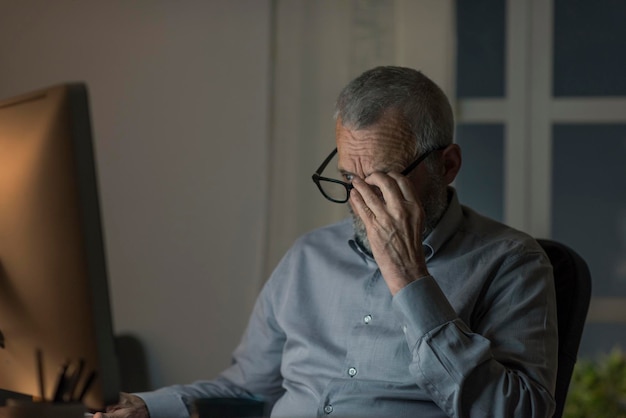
x=572 y=281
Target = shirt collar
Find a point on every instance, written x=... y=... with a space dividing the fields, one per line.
x=361 y=252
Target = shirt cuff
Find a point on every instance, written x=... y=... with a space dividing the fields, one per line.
x=164 y=404
x=421 y=307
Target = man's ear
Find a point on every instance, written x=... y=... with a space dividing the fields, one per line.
x=451 y=157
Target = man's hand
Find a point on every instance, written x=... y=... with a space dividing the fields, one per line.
x=130 y=406
x=394 y=220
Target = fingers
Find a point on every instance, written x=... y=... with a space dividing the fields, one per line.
x=394 y=186
x=368 y=201
x=385 y=192
x=128 y=406
x=121 y=413
x=359 y=206
x=110 y=414
x=404 y=185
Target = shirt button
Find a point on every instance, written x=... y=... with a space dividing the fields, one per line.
x=352 y=371
x=367 y=319
x=328 y=409
x=404 y=328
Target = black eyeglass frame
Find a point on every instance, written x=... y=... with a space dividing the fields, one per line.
x=348 y=186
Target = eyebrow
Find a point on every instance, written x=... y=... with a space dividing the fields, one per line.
x=386 y=168
x=345 y=172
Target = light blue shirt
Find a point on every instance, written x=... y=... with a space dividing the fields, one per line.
x=477 y=338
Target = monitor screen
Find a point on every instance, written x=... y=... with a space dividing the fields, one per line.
x=54 y=303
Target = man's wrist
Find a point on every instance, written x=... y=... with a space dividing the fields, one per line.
x=400 y=281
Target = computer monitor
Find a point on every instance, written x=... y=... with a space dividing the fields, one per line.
x=54 y=299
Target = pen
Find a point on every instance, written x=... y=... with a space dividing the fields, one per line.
x=87 y=385
x=72 y=381
x=42 y=384
x=61 y=383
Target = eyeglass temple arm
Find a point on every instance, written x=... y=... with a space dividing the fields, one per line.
x=404 y=173
x=325 y=162
x=420 y=159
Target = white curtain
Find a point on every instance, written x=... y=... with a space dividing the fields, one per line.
x=319 y=46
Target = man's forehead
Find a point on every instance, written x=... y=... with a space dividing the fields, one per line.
x=388 y=127
x=385 y=140
x=369 y=159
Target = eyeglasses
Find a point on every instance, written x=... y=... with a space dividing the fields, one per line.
x=339 y=191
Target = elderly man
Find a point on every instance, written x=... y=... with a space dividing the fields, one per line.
x=415 y=307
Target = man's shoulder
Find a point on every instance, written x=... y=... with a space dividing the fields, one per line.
x=340 y=231
x=313 y=252
x=464 y=232
x=320 y=244
x=488 y=232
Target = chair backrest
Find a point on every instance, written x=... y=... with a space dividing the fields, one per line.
x=572 y=281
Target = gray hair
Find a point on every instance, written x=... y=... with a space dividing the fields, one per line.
x=402 y=92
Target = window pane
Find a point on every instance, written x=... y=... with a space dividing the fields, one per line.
x=589 y=200
x=589 y=45
x=480 y=182
x=480 y=48
x=601 y=337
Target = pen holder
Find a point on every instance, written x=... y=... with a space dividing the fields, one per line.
x=42 y=410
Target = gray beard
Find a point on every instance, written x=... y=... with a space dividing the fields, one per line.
x=434 y=205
